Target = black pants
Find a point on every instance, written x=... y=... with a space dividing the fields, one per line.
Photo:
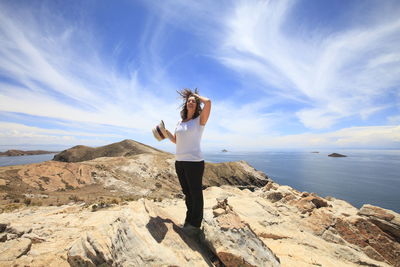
x=190 y=174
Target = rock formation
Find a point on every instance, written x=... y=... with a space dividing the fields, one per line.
x=240 y=228
x=248 y=219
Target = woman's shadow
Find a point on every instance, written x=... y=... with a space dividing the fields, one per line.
x=158 y=229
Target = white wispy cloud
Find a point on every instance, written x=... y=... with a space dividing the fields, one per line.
x=54 y=76
x=373 y=137
x=17 y=135
x=57 y=71
x=338 y=74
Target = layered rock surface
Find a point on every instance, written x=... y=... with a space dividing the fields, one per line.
x=250 y=229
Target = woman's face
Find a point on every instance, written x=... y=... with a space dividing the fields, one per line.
x=191 y=103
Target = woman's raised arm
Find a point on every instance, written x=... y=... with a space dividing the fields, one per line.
x=206 y=109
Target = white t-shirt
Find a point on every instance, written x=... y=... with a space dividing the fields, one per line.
x=188 y=137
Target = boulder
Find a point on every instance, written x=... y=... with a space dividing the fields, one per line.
x=233 y=241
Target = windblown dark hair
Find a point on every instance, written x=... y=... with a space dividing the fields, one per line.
x=185 y=94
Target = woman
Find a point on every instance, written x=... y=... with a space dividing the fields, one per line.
x=189 y=164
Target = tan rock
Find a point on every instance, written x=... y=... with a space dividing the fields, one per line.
x=217 y=212
x=319 y=221
x=53 y=176
x=235 y=244
x=14 y=249
x=377 y=212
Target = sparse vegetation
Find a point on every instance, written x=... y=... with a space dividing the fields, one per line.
x=45 y=179
x=131 y=198
x=27 y=201
x=38 y=203
x=10 y=207
x=67 y=185
x=75 y=198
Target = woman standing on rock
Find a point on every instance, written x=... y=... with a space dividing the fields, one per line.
x=189 y=164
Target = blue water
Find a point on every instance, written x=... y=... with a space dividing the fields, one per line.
x=17 y=160
x=362 y=177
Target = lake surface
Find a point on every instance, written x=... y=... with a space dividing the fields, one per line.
x=17 y=160
x=362 y=177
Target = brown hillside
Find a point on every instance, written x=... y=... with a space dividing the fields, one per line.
x=123 y=148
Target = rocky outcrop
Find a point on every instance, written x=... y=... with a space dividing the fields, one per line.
x=150 y=175
x=233 y=240
x=241 y=228
x=123 y=148
x=387 y=220
x=53 y=176
x=371 y=230
x=234 y=173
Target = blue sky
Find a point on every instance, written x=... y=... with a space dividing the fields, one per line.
x=280 y=74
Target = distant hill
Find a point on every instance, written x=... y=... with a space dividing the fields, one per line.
x=123 y=148
x=15 y=152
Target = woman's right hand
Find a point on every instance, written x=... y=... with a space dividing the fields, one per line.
x=171 y=137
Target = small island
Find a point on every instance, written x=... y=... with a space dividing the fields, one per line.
x=336 y=155
x=224 y=150
x=14 y=152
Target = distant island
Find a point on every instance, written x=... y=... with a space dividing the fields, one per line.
x=224 y=150
x=14 y=152
x=336 y=155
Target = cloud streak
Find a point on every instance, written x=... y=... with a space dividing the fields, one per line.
x=55 y=77
x=336 y=73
